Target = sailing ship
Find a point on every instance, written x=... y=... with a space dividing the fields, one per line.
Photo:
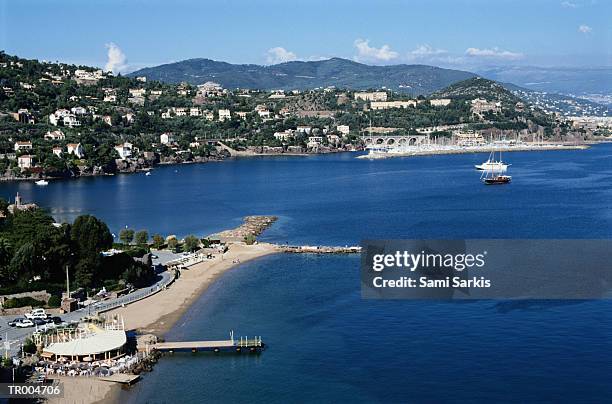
x=493 y=175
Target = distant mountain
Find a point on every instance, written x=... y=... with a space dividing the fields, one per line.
x=342 y=73
x=564 y=80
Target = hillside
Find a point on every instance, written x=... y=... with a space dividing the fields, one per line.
x=341 y=73
x=478 y=87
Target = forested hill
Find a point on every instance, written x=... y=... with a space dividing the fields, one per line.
x=341 y=73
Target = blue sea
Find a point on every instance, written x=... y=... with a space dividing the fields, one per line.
x=326 y=344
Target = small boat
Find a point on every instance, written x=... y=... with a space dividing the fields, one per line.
x=148 y=173
x=42 y=182
x=492 y=165
x=497 y=180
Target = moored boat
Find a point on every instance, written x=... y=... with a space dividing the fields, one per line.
x=42 y=182
x=492 y=165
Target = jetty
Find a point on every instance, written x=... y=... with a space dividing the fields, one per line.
x=306 y=249
x=121 y=378
x=242 y=344
x=252 y=226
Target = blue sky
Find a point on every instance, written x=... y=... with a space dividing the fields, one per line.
x=467 y=34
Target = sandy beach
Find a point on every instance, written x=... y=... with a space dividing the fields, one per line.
x=78 y=390
x=156 y=314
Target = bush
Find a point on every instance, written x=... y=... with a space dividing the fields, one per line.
x=22 y=301
x=54 y=301
x=250 y=239
x=29 y=346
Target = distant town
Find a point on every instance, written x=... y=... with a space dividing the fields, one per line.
x=62 y=121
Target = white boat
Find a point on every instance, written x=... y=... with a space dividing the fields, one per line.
x=42 y=182
x=492 y=165
x=148 y=173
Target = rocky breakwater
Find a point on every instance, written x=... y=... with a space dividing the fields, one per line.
x=252 y=227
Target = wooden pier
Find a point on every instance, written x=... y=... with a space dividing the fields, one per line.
x=243 y=344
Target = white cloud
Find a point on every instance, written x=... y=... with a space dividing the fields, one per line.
x=425 y=51
x=568 y=4
x=493 y=53
x=117 y=61
x=367 y=53
x=585 y=29
x=280 y=55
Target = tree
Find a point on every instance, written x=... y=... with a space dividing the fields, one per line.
x=126 y=236
x=191 y=243
x=158 y=241
x=86 y=270
x=23 y=264
x=172 y=243
x=141 y=237
x=90 y=235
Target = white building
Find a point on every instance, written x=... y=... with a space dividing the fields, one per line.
x=21 y=146
x=76 y=149
x=195 y=112
x=224 y=114
x=440 y=102
x=137 y=92
x=392 y=104
x=79 y=110
x=124 y=150
x=480 y=106
x=55 y=135
x=25 y=161
x=314 y=141
x=371 y=96
x=333 y=139
x=71 y=121
x=344 y=129
x=166 y=138
x=284 y=136
x=304 y=129
x=57 y=151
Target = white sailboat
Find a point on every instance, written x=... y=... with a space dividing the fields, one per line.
x=492 y=165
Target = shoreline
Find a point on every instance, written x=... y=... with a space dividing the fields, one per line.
x=476 y=151
x=160 y=312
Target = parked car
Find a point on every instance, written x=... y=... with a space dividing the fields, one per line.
x=38 y=321
x=36 y=313
x=56 y=320
x=47 y=327
x=14 y=322
x=24 y=323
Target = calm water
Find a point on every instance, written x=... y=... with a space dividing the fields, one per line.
x=325 y=343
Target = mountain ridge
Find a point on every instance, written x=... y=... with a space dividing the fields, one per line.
x=414 y=79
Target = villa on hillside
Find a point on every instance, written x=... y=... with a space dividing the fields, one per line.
x=76 y=149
